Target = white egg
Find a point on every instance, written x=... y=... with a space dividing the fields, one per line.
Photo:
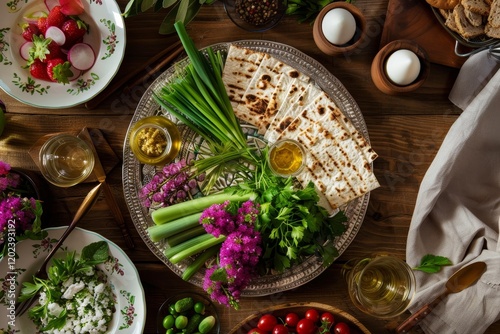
x=402 y=67
x=339 y=26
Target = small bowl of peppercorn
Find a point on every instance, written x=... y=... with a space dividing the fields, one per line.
x=255 y=15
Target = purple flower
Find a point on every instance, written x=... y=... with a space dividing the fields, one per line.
x=169 y=186
x=239 y=253
x=21 y=211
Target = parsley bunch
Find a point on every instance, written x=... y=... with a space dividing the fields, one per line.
x=292 y=224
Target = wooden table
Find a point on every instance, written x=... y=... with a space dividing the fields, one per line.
x=406 y=131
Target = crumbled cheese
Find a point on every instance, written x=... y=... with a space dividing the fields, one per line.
x=89 y=303
x=72 y=290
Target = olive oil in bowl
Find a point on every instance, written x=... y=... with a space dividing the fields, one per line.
x=287 y=157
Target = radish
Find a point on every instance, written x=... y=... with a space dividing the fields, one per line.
x=33 y=17
x=81 y=56
x=51 y=4
x=56 y=34
x=24 y=50
x=76 y=73
x=71 y=7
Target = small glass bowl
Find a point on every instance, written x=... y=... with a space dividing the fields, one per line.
x=210 y=309
x=155 y=140
x=287 y=157
x=233 y=7
x=66 y=160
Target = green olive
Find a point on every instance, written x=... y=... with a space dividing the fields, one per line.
x=199 y=307
x=168 y=321
x=181 y=322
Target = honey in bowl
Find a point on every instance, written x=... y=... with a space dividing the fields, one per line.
x=287 y=157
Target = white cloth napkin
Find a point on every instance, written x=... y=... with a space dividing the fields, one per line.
x=457 y=213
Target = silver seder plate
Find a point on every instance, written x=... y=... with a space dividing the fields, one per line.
x=136 y=175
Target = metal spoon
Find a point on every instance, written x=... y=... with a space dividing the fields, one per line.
x=87 y=203
x=460 y=280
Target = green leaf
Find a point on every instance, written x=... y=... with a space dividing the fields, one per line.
x=182 y=10
x=167 y=26
x=146 y=4
x=132 y=8
x=432 y=263
x=29 y=290
x=168 y=3
x=95 y=253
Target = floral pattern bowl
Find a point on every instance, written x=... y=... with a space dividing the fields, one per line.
x=106 y=36
x=25 y=257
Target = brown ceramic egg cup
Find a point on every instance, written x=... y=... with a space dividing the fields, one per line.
x=332 y=49
x=379 y=74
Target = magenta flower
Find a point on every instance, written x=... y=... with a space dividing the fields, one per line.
x=239 y=253
x=16 y=212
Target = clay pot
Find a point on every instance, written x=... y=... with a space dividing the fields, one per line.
x=379 y=74
x=334 y=50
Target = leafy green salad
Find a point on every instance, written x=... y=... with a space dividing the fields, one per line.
x=76 y=297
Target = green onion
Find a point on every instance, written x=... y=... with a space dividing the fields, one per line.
x=159 y=232
x=199 y=98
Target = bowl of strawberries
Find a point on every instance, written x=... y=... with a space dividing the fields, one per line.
x=59 y=53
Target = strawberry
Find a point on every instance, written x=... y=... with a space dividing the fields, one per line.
x=29 y=30
x=59 y=70
x=42 y=25
x=74 y=30
x=39 y=70
x=45 y=49
x=56 y=18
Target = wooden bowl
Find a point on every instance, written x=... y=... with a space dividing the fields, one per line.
x=379 y=75
x=300 y=308
x=332 y=49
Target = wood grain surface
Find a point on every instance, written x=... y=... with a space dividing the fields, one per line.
x=406 y=131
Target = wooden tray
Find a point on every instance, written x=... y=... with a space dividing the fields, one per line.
x=300 y=308
x=414 y=20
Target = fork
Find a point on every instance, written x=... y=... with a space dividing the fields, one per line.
x=87 y=203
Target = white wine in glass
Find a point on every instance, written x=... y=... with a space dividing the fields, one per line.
x=381 y=286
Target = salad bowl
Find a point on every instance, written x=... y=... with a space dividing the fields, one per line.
x=106 y=36
x=26 y=257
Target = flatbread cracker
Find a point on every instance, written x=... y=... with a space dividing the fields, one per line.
x=241 y=64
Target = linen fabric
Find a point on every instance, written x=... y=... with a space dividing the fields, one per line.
x=457 y=213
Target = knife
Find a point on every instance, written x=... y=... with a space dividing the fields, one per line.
x=108 y=194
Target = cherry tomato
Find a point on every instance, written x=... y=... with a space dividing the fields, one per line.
x=342 y=328
x=292 y=319
x=280 y=329
x=267 y=322
x=256 y=331
x=312 y=315
x=327 y=320
x=306 y=326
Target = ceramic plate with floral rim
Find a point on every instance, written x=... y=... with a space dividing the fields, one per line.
x=106 y=37
x=130 y=314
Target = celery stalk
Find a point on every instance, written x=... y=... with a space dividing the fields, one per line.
x=197 y=248
x=199 y=262
x=159 y=232
x=176 y=211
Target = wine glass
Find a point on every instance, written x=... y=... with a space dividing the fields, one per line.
x=382 y=286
